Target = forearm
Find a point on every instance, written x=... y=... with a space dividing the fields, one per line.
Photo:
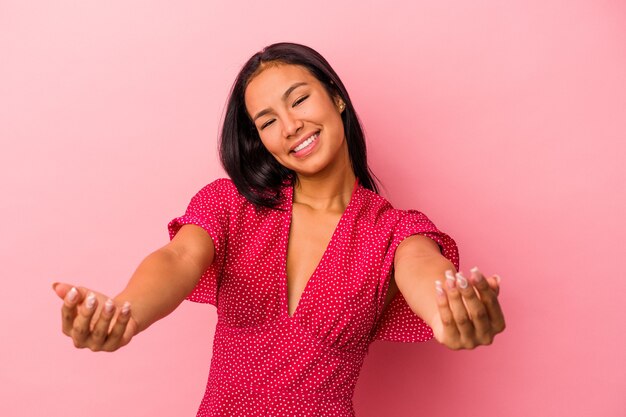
x=160 y=283
x=415 y=276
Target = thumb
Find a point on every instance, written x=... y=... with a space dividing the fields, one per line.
x=61 y=289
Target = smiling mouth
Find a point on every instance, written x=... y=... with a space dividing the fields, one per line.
x=306 y=143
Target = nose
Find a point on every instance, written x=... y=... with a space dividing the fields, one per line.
x=291 y=124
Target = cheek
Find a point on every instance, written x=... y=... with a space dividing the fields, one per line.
x=337 y=124
x=269 y=144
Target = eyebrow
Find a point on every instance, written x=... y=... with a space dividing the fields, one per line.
x=284 y=97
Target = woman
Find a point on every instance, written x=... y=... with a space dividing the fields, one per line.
x=305 y=262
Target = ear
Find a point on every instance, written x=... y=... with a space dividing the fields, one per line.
x=341 y=105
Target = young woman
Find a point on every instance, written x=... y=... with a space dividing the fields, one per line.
x=305 y=262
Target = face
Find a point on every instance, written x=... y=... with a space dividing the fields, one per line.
x=297 y=120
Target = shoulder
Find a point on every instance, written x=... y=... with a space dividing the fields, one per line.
x=218 y=194
x=376 y=209
x=222 y=195
x=222 y=189
x=220 y=186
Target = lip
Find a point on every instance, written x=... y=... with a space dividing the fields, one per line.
x=302 y=139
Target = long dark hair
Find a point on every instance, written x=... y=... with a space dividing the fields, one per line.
x=254 y=171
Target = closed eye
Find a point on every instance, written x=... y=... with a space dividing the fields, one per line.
x=300 y=100
x=266 y=124
x=295 y=103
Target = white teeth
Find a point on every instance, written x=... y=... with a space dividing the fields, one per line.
x=305 y=143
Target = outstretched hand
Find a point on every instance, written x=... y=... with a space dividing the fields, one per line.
x=93 y=320
x=469 y=310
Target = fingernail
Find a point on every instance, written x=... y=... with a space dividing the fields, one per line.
x=71 y=295
x=54 y=285
x=91 y=301
x=476 y=275
x=125 y=308
x=461 y=281
x=497 y=277
x=108 y=306
x=450 y=280
x=439 y=287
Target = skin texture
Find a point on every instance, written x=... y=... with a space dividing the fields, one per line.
x=463 y=313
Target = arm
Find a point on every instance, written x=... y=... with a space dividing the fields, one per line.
x=165 y=277
x=462 y=313
x=158 y=286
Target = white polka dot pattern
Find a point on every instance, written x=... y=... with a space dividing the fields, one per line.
x=267 y=363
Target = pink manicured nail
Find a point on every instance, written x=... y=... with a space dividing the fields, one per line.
x=450 y=279
x=497 y=277
x=461 y=281
x=476 y=275
x=91 y=301
x=439 y=287
x=71 y=295
x=125 y=308
x=108 y=306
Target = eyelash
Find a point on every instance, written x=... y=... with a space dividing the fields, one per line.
x=300 y=100
x=295 y=103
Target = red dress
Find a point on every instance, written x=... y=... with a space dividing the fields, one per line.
x=267 y=363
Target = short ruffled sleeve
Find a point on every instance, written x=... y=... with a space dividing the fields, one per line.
x=208 y=209
x=398 y=322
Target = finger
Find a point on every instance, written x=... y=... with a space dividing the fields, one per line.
x=459 y=311
x=494 y=283
x=61 y=289
x=114 y=340
x=450 y=332
x=477 y=311
x=496 y=315
x=101 y=327
x=490 y=300
x=81 y=328
x=71 y=299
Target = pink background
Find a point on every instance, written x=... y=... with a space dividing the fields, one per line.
x=505 y=122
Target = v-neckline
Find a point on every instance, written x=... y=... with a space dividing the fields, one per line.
x=287 y=229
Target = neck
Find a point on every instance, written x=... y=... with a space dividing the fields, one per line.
x=325 y=192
